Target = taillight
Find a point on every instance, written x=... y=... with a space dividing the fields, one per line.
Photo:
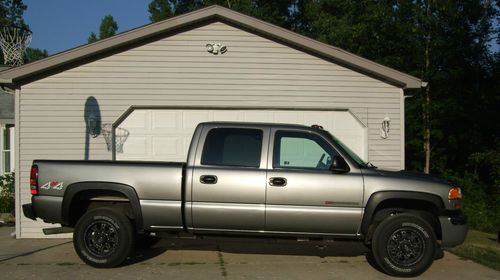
x=34 y=180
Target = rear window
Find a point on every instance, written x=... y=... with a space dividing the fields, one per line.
x=232 y=147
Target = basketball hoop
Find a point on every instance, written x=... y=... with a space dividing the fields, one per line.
x=14 y=41
x=121 y=135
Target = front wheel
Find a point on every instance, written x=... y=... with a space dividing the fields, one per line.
x=404 y=245
x=103 y=237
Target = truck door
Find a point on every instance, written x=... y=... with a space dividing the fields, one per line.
x=229 y=179
x=303 y=194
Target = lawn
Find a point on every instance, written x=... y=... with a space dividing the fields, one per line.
x=480 y=247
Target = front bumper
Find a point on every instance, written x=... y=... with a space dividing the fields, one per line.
x=453 y=228
x=28 y=211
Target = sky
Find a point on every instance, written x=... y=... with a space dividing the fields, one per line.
x=59 y=25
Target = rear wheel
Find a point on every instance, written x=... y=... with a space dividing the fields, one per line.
x=103 y=237
x=404 y=245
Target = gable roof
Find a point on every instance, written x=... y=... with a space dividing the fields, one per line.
x=59 y=62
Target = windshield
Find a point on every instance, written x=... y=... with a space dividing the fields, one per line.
x=347 y=151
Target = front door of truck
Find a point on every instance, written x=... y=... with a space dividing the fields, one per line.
x=303 y=194
x=229 y=179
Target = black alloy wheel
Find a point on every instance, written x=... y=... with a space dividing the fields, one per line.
x=103 y=237
x=404 y=245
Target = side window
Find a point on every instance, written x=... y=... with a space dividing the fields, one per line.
x=301 y=150
x=232 y=147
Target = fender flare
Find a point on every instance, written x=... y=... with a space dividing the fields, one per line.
x=128 y=191
x=377 y=198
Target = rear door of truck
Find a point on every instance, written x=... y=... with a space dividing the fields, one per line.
x=229 y=178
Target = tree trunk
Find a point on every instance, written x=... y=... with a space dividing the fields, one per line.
x=427 y=99
x=427 y=131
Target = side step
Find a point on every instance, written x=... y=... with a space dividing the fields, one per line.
x=57 y=230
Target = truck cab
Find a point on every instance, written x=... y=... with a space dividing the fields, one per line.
x=273 y=179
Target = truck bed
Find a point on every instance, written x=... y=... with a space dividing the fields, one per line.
x=156 y=184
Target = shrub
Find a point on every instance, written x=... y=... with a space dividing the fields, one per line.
x=481 y=205
x=7 y=193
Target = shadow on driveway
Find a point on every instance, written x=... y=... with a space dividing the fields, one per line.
x=254 y=246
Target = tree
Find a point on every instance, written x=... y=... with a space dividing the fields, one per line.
x=159 y=10
x=11 y=13
x=92 y=38
x=273 y=11
x=33 y=54
x=107 y=29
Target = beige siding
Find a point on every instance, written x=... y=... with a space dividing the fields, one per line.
x=178 y=71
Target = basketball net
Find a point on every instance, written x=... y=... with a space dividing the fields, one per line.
x=121 y=135
x=14 y=41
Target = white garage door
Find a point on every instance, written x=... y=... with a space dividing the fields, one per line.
x=165 y=134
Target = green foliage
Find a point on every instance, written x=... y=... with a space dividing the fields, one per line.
x=159 y=10
x=11 y=13
x=92 y=38
x=481 y=207
x=107 y=29
x=7 y=193
x=33 y=54
x=273 y=11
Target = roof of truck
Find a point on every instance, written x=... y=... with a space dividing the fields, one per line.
x=263 y=124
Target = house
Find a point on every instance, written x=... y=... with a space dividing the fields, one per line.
x=6 y=132
x=139 y=95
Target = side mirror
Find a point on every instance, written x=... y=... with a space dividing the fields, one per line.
x=339 y=165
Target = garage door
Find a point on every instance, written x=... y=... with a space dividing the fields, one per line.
x=165 y=134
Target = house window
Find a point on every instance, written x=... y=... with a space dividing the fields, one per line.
x=7 y=149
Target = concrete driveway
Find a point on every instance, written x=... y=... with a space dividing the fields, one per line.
x=214 y=259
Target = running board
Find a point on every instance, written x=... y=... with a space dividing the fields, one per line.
x=57 y=230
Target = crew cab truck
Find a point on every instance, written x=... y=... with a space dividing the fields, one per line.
x=251 y=179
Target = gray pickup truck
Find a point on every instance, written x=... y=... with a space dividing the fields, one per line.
x=251 y=179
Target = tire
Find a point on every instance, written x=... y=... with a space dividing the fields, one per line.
x=103 y=237
x=404 y=245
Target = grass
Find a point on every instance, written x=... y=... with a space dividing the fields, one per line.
x=480 y=247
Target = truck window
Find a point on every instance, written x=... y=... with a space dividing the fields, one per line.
x=232 y=147
x=301 y=150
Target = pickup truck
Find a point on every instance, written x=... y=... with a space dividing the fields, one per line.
x=251 y=179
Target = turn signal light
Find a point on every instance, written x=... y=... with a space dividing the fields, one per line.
x=454 y=193
x=34 y=180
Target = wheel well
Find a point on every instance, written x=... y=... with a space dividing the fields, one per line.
x=424 y=209
x=90 y=199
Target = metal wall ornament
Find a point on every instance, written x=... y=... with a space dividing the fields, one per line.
x=384 y=130
x=216 y=48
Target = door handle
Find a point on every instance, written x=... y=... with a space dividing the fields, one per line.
x=277 y=181
x=208 y=179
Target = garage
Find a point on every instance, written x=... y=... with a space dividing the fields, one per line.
x=155 y=83
x=165 y=134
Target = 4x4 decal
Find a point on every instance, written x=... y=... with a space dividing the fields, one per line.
x=54 y=185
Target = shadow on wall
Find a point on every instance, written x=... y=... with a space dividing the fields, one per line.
x=92 y=117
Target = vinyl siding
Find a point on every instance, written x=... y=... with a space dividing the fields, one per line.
x=178 y=71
